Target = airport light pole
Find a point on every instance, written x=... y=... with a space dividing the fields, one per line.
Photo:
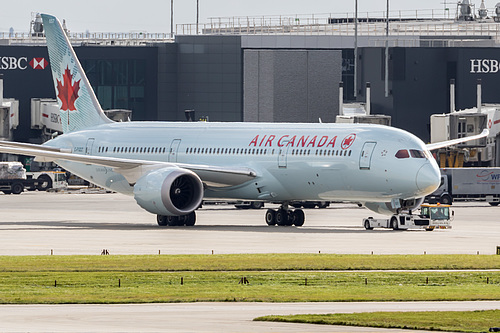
x=197 y=14
x=387 y=51
x=171 y=18
x=355 y=49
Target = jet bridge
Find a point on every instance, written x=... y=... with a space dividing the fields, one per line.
x=468 y=122
x=9 y=115
x=45 y=116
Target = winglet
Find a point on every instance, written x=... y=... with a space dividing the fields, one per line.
x=437 y=145
x=78 y=105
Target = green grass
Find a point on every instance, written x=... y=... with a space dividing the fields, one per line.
x=455 y=321
x=146 y=287
x=272 y=277
x=245 y=262
x=270 y=286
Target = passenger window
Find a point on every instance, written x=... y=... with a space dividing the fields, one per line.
x=403 y=153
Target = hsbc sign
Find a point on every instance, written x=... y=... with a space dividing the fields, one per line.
x=484 y=66
x=22 y=63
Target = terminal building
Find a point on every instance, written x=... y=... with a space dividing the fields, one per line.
x=273 y=69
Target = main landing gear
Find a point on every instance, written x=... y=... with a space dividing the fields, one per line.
x=285 y=217
x=176 y=221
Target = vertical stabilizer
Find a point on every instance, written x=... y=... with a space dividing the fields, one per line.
x=78 y=105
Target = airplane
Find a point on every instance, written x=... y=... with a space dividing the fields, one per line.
x=170 y=167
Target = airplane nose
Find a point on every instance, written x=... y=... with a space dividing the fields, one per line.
x=428 y=178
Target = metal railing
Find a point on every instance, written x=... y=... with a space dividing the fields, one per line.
x=420 y=22
x=430 y=28
x=99 y=38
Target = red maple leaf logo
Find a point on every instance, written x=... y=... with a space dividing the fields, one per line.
x=348 y=141
x=67 y=92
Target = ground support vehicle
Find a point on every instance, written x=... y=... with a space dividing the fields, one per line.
x=48 y=180
x=14 y=179
x=249 y=205
x=430 y=217
x=468 y=184
x=295 y=204
x=310 y=204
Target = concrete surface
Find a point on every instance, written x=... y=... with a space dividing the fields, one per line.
x=36 y=223
x=199 y=317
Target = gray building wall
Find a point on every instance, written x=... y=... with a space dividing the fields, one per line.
x=209 y=74
x=167 y=81
x=419 y=81
x=291 y=85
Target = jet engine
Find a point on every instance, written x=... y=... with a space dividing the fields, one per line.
x=386 y=208
x=169 y=191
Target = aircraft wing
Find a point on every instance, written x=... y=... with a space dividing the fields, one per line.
x=437 y=145
x=132 y=169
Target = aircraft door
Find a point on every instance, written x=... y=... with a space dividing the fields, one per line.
x=88 y=148
x=282 y=155
x=174 y=147
x=365 y=159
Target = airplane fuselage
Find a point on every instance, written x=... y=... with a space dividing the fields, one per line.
x=292 y=161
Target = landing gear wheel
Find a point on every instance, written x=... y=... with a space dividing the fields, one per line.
x=285 y=217
x=17 y=188
x=172 y=221
x=190 y=219
x=257 y=205
x=288 y=218
x=281 y=217
x=44 y=183
x=298 y=217
x=446 y=199
x=367 y=225
x=162 y=220
x=394 y=223
x=271 y=217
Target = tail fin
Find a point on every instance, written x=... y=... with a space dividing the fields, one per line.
x=78 y=105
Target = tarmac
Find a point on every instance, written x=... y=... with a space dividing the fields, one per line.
x=38 y=223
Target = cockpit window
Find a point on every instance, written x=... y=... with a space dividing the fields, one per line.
x=417 y=153
x=403 y=153
x=414 y=153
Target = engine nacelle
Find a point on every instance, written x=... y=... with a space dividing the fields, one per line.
x=169 y=191
x=386 y=208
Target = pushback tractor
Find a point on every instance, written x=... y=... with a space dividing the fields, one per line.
x=430 y=217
